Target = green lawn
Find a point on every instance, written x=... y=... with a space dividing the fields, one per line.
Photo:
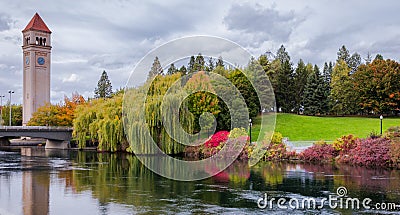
x=299 y=128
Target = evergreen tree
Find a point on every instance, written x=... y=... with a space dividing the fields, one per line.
x=104 y=88
x=199 y=64
x=220 y=62
x=330 y=69
x=282 y=55
x=354 y=62
x=191 y=65
x=210 y=66
x=283 y=81
x=300 y=79
x=309 y=101
x=315 y=97
x=156 y=69
x=327 y=78
x=323 y=92
x=172 y=69
x=343 y=54
x=183 y=70
x=378 y=57
x=327 y=72
x=284 y=91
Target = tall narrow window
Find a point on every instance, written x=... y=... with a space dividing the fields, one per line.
x=41 y=41
x=37 y=40
x=44 y=41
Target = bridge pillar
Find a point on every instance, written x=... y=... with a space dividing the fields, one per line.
x=57 y=144
x=4 y=141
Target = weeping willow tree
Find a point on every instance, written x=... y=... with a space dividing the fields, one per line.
x=159 y=112
x=153 y=100
x=100 y=120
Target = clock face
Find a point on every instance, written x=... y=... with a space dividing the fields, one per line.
x=40 y=61
x=27 y=60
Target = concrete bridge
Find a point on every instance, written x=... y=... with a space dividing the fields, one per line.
x=56 y=137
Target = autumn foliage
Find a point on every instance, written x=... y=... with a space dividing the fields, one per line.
x=58 y=114
x=378 y=86
x=319 y=152
x=217 y=138
x=369 y=152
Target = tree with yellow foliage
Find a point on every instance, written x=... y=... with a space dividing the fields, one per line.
x=58 y=114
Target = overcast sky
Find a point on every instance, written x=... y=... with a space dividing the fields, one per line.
x=91 y=36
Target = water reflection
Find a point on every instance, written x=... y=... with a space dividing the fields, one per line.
x=35 y=193
x=119 y=184
x=35 y=185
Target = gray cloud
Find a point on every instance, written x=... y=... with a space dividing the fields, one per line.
x=269 y=23
x=5 y=22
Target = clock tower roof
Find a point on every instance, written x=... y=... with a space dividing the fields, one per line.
x=37 y=24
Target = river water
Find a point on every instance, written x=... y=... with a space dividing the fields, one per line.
x=77 y=182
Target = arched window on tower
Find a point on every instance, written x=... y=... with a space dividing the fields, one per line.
x=41 y=41
x=37 y=40
x=44 y=41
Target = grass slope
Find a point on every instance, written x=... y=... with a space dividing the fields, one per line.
x=303 y=128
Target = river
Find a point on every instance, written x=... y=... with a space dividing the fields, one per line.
x=79 y=182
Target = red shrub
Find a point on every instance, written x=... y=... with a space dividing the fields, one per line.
x=318 y=153
x=217 y=138
x=369 y=152
x=395 y=154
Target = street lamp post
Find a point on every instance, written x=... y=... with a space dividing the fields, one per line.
x=1 y=110
x=250 y=124
x=10 y=92
x=381 y=118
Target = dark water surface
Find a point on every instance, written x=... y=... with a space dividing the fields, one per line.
x=76 y=182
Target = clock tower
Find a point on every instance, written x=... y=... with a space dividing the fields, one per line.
x=36 y=59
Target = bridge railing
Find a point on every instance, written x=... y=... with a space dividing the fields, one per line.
x=40 y=128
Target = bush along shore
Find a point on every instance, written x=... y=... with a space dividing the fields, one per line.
x=373 y=151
